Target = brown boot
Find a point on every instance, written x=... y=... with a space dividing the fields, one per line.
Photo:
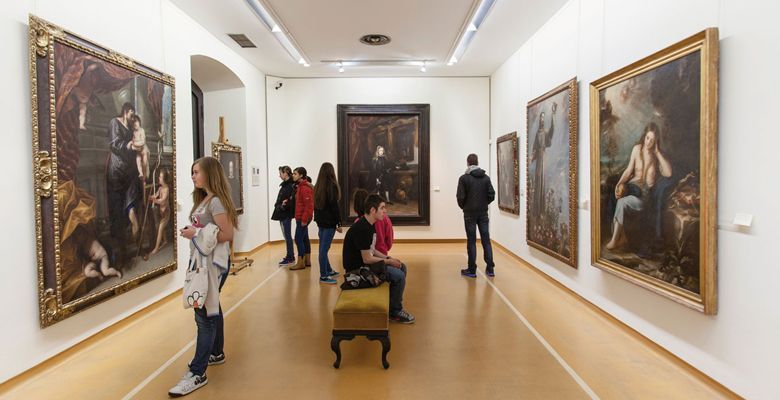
x=307 y=260
x=298 y=265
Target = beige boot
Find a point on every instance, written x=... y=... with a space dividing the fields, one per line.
x=307 y=260
x=298 y=265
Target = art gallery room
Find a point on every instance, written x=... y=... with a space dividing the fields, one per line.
x=442 y=199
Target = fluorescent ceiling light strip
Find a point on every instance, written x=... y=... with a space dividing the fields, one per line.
x=391 y=63
x=482 y=12
x=263 y=15
x=278 y=31
x=469 y=30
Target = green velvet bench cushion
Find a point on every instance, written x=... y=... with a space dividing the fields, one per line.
x=362 y=309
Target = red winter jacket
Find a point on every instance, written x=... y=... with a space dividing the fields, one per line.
x=304 y=202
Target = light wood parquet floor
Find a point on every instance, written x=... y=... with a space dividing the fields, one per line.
x=469 y=342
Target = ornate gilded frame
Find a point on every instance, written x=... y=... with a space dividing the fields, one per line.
x=573 y=119
x=514 y=208
x=216 y=150
x=42 y=37
x=706 y=42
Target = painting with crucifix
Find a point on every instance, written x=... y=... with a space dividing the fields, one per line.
x=384 y=150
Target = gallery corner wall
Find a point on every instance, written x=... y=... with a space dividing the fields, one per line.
x=589 y=39
x=166 y=43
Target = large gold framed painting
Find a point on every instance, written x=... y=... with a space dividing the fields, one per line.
x=653 y=171
x=551 y=177
x=103 y=170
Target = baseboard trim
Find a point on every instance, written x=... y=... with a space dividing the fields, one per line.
x=406 y=241
x=255 y=250
x=693 y=370
x=22 y=377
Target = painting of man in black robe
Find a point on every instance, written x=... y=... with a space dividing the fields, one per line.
x=384 y=151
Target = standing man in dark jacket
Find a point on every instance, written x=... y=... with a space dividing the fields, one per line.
x=475 y=192
x=284 y=211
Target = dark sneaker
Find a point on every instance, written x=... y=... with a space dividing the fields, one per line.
x=403 y=317
x=468 y=272
x=491 y=273
x=286 y=261
x=328 y=280
x=188 y=384
x=333 y=274
x=216 y=360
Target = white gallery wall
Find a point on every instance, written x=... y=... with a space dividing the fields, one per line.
x=167 y=41
x=231 y=104
x=302 y=132
x=739 y=346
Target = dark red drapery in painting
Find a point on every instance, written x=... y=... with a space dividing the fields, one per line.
x=78 y=76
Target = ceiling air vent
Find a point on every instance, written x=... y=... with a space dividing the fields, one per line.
x=375 y=39
x=241 y=39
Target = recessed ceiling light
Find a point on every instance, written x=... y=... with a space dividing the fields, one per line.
x=375 y=39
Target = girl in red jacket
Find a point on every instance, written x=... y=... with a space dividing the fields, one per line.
x=304 y=213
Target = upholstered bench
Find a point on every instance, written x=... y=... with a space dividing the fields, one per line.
x=362 y=312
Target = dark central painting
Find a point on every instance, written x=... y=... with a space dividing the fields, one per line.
x=384 y=150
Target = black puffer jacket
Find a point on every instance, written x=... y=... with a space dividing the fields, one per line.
x=475 y=192
x=286 y=192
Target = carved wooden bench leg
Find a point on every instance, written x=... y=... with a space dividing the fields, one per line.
x=335 y=345
x=385 y=340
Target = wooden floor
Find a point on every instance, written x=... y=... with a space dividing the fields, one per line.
x=470 y=342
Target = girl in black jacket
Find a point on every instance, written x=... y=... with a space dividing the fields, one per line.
x=284 y=210
x=327 y=217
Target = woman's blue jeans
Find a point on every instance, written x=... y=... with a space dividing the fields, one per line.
x=302 y=239
x=287 y=232
x=211 y=335
x=326 y=238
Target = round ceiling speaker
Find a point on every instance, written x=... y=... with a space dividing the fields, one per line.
x=375 y=39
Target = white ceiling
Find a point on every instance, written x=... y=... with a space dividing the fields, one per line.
x=329 y=30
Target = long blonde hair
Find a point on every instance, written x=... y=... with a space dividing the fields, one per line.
x=216 y=183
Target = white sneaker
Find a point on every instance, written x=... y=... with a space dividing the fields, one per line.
x=188 y=384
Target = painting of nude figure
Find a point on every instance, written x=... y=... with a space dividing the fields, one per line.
x=103 y=168
x=653 y=153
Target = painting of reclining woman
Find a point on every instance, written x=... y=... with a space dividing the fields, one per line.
x=653 y=172
x=108 y=205
x=384 y=150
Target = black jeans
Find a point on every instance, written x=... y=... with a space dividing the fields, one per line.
x=483 y=223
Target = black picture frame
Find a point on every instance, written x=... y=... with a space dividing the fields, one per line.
x=408 y=158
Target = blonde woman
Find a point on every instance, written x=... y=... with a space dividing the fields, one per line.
x=211 y=205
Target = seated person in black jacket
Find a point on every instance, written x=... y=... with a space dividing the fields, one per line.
x=357 y=252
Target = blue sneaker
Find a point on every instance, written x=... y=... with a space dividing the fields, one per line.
x=491 y=273
x=468 y=272
x=333 y=274
x=286 y=261
x=328 y=280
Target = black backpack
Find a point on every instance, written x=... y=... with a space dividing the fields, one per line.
x=367 y=276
